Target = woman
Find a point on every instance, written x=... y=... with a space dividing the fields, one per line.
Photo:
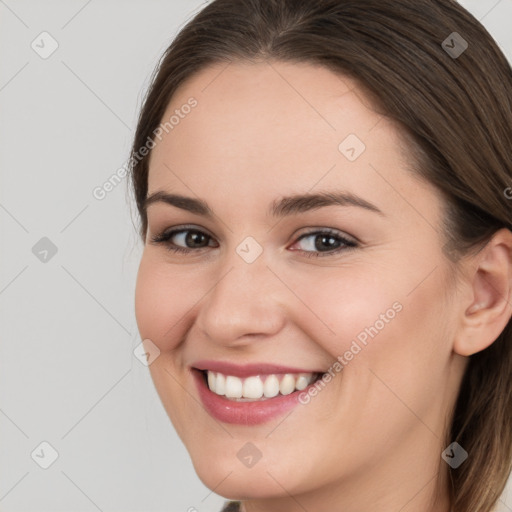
x=324 y=193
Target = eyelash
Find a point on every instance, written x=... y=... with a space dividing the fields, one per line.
x=164 y=237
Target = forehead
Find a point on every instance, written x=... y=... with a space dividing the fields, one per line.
x=271 y=127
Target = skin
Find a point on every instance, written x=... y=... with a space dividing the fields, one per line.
x=262 y=131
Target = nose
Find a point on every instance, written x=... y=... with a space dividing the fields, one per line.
x=247 y=301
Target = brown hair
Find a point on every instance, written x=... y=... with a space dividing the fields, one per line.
x=455 y=113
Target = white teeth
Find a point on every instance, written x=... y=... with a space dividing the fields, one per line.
x=287 y=385
x=220 y=384
x=302 y=382
x=253 y=388
x=271 y=386
x=256 y=387
x=233 y=387
x=211 y=380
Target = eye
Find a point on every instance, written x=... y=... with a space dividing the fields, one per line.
x=324 y=243
x=318 y=243
x=177 y=238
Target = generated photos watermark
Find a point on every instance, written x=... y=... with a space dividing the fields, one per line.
x=354 y=349
x=100 y=192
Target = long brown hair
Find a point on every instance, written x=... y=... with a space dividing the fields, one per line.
x=455 y=112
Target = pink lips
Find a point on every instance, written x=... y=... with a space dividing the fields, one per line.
x=244 y=413
x=248 y=369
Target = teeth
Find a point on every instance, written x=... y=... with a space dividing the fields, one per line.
x=302 y=382
x=257 y=387
x=287 y=385
x=220 y=384
x=233 y=387
x=271 y=386
x=211 y=380
x=252 y=388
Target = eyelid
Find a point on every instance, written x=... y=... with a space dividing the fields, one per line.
x=348 y=242
x=167 y=232
x=311 y=231
x=333 y=231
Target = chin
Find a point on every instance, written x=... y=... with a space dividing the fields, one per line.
x=243 y=483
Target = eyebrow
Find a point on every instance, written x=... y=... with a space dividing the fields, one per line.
x=288 y=205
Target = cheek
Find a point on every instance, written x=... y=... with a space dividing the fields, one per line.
x=393 y=340
x=376 y=318
x=162 y=299
x=346 y=306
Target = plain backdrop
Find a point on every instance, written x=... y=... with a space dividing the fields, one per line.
x=73 y=396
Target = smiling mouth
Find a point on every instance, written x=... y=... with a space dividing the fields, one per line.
x=257 y=387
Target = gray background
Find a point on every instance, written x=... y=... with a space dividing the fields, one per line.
x=68 y=375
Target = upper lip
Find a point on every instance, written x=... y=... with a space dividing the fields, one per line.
x=247 y=370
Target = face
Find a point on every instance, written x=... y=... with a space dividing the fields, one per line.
x=351 y=283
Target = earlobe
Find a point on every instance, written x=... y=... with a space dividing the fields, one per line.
x=490 y=308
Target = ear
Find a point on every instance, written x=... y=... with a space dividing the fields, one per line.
x=489 y=306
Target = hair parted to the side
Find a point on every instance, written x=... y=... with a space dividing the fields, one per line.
x=455 y=115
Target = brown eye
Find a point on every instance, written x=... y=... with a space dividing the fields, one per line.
x=183 y=240
x=327 y=242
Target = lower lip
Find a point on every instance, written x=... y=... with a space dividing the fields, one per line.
x=244 y=413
